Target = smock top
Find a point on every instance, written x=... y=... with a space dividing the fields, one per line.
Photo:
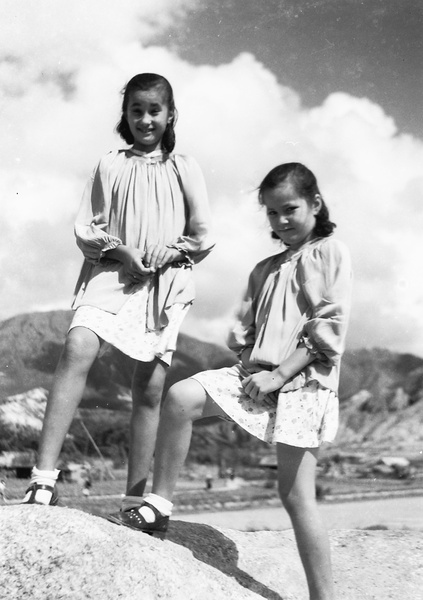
x=137 y=199
x=298 y=299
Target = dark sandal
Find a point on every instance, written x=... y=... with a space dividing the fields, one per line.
x=131 y=518
x=115 y=517
x=35 y=487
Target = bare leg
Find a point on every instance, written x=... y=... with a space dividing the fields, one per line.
x=78 y=355
x=147 y=391
x=186 y=402
x=296 y=474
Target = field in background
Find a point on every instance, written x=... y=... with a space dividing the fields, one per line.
x=192 y=496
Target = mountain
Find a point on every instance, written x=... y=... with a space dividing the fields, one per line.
x=381 y=393
x=30 y=347
x=381 y=400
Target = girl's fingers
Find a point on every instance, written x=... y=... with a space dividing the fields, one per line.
x=139 y=274
x=252 y=390
x=150 y=254
x=246 y=385
x=160 y=258
x=155 y=256
x=246 y=381
x=143 y=270
x=147 y=258
x=167 y=255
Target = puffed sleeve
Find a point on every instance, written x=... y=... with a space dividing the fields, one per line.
x=243 y=334
x=195 y=243
x=325 y=277
x=92 y=219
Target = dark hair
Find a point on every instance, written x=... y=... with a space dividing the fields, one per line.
x=305 y=184
x=144 y=82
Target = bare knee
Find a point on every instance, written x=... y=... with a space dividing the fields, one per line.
x=290 y=500
x=185 y=400
x=80 y=349
x=147 y=384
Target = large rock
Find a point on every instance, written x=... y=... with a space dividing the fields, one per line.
x=61 y=554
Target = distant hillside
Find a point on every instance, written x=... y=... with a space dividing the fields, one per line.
x=381 y=392
x=30 y=347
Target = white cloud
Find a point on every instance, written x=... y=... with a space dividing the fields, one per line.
x=60 y=102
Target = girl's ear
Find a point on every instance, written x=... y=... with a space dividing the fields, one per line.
x=317 y=204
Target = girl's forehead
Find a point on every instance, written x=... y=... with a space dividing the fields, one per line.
x=154 y=95
x=281 y=194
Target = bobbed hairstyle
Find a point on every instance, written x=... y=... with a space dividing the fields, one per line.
x=145 y=82
x=305 y=185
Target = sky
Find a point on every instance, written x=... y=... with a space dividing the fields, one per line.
x=335 y=84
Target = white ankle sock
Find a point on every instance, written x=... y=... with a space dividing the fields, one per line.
x=163 y=506
x=43 y=477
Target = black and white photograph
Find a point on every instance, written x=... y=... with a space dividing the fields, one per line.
x=211 y=314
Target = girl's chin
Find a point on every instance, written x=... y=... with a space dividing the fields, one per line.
x=145 y=147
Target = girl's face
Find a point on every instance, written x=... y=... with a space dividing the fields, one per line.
x=291 y=217
x=148 y=114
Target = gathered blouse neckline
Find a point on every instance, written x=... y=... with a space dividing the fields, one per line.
x=155 y=155
x=288 y=255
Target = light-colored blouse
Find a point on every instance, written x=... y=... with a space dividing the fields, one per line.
x=138 y=199
x=298 y=299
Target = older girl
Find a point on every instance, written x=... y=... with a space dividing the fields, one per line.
x=142 y=224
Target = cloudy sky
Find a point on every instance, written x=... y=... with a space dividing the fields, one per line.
x=336 y=84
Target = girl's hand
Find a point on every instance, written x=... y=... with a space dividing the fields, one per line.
x=259 y=385
x=132 y=261
x=156 y=256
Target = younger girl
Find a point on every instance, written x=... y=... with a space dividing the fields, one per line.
x=142 y=224
x=289 y=339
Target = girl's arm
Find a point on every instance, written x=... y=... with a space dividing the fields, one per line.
x=92 y=220
x=132 y=260
x=138 y=263
x=91 y=227
x=196 y=243
x=242 y=337
x=325 y=277
x=258 y=385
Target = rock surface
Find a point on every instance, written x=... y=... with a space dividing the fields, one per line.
x=64 y=554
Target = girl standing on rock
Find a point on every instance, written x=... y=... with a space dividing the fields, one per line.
x=289 y=339
x=142 y=224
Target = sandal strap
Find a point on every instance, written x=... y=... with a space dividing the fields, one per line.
x=35 y=487
x=134 y=513
x=40 y=486
x=155 y=510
